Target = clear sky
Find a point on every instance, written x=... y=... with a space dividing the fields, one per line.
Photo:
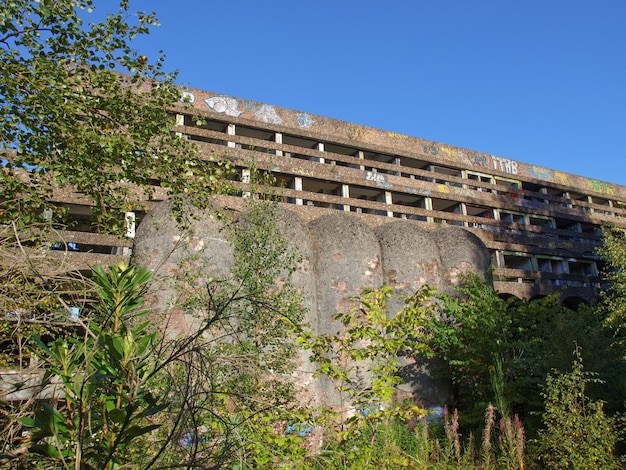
x=538 y=81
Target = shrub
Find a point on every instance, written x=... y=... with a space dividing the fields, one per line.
x=578 y=434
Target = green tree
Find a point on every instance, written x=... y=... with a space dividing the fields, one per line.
x=103 y=380
x=481 y=336
x=613 y=251
x=471 y=333
x=68 y=117
x=362 y=360
x=81 y=110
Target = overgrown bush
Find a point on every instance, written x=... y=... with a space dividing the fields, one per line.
x=578 y=434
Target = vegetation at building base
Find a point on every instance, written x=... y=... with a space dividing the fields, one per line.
x=200 y=399
x=480 y=333
x=70 y=122
x=207 y=400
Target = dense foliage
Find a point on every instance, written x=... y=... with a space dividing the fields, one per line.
x=81 y=112
x=67 y=116
x=578 y=434
x=479 y=333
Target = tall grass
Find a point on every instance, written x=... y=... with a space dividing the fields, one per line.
x=423 y=445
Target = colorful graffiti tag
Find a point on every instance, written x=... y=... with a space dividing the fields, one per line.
x=267 y=113
x=378 y=178
x=432 y=149
x=224 y=105
x=187 y=97
x=505 y=165
x=601 y=187
x=473 y=158
x=541 y=173
x=395 y=135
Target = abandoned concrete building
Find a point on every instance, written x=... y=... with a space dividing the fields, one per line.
x=366 y=206
x=540 y=226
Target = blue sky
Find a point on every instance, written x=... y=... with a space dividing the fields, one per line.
x=538 y=81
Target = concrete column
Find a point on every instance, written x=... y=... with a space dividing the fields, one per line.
x=131 y=225
x=396 y=161
x=388 y=200
x=428 y=205
x=180 y=121
x=361 y=157
x=231 y=131
x=245 y=178
x=297 y=185
x=464 y=212
x=278 y=138
x=131 y=222
x=320 y=148
x=345 y=192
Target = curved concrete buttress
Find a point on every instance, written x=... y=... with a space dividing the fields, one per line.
x=347 y=260
x=163 y=249
x=410 y=259
x=297 y=234
x=461 y=252
x=298 y=237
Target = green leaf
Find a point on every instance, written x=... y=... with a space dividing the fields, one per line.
x=117 y=416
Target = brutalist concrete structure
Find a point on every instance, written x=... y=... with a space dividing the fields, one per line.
x=540 y=226
x=366 y=206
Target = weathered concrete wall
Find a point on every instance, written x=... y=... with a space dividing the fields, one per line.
x=341 y=255
x=249 y=112
x=347 y=259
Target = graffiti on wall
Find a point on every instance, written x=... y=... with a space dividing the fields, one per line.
x=448 y=152
x=420 y=191
x=397 y=136
x=477 y=159
x=304 y=120
x=233 y=107
x=224 y=105
x=187 y=97
x=378 y=178
x=505 y=165
x=561 y=177
x=541 y=173
x=473 y=158
x=431 y=149
x=267 y=113
x=601 y=187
